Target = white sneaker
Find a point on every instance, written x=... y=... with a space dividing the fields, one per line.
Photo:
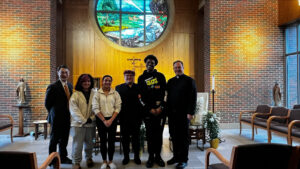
x=112 y=166
x=103 y=166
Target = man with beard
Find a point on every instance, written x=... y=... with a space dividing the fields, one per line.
x=181 y=104
x=152 y=86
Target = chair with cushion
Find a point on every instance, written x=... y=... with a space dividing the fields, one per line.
x=262 y=112
x=296 y=106
x=27 y=160
x=293 y=129
x=257 y=156
x=6 y=123
x=281 y=114
x=283 y=128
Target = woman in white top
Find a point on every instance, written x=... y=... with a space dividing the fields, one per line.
x=82 y=120
x=106 y=105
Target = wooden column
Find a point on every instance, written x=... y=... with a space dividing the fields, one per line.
x=21 y=125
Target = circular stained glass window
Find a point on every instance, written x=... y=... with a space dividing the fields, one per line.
x=132 y=23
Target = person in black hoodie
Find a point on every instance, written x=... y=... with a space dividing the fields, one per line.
x=152 y=86
x=181 y=104
x=130 y=116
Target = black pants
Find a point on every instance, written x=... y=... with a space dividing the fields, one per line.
x=59 y=135
x=154 y=131
x=179 y=132
x=130 y=131
x=107 y=135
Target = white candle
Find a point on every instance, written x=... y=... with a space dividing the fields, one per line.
x=213 y=83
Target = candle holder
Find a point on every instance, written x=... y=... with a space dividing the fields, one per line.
x=213 y=100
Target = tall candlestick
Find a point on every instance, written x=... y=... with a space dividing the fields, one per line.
x=213 y=83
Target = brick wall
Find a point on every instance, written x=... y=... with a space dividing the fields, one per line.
x=246 y=54
x=25 y=53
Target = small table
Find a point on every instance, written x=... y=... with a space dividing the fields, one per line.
x=198 y=132
x=36 y=128
x=21 y=126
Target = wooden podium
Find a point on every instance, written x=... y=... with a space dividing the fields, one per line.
x=21 y=125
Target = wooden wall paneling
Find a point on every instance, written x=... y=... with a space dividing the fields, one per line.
x=87 y=52
x=182 y=50
x=184 y=23
x=289 y=11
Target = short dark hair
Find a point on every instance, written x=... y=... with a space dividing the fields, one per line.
x=62 y=66
x=106 y=76
x=79 y=87
x=129 y=72
x=177 y=62
x=151 y=57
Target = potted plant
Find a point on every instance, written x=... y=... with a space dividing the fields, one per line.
x=211 y=124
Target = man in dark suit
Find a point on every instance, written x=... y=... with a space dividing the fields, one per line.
x=181 y=104
x=130 y=116
x=57 y=105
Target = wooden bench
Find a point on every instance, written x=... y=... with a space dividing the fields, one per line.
x=264 y=120
x=6 y=123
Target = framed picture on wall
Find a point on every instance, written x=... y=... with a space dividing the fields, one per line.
x=201 y=107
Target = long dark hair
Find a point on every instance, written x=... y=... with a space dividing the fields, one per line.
x=79 y=87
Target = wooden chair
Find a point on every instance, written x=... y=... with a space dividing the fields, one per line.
x=296 y=106
x=283 y=128
x=293 y=129
x=257 y=156
x=278 y=115
x=262 y=112
x=7 y=123
x=26 y=160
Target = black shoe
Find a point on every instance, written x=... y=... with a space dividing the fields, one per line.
x=172 y=161
x=137 y=160
x=159 y=161
x=181 y=165
x=125 y=160
x=149 y=163
x=66 y=160
x=90 y=163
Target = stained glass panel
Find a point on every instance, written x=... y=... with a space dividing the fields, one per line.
x=108 y=5
x=155 y=25
x=110 y=25
x=133 y=6
x=132 y=30
x=156 y=6
x=136 y=30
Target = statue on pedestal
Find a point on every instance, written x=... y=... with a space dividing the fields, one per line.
x=276 y=95
x=21 y=89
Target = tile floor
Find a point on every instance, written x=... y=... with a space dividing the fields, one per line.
x=230 y=137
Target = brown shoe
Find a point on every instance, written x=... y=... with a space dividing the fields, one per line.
x=76 y=166
x=90 y=163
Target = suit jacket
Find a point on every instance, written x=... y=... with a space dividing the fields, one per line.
x=56 y=103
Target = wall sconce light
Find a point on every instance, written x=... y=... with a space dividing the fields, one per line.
x=299 y=2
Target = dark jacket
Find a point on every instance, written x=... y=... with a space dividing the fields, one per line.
x=56 y=103
x=182 y=96
x=131 y=106
x=153 y=87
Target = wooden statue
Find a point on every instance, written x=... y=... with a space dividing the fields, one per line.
x=276 y=95
x=21 y=89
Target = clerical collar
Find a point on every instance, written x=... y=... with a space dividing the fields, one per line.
x=178 y=76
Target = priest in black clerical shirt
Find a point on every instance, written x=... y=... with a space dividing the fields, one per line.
x=130 y=116
x=181 y=104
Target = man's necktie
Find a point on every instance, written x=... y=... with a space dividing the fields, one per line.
x=67 y=91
